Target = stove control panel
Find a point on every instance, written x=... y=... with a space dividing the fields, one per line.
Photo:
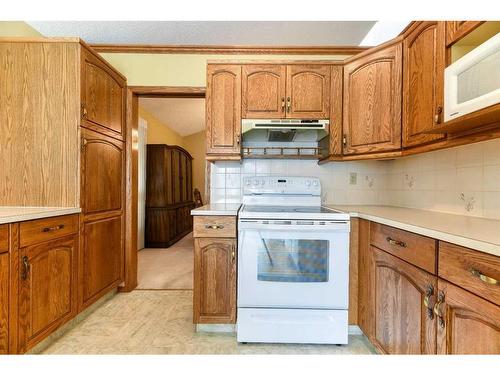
x=281 y=185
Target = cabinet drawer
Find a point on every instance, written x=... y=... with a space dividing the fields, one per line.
x=415 y=249
x=472 y=270
x=4 y=238
x=36 y=231
x=215 y=226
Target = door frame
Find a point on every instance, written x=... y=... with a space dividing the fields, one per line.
x=131 y=166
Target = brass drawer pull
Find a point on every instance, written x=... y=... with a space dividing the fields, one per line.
x=53 y=229
x=288 y=104
x=214 y=226
x=395 y=242
x=484 y=278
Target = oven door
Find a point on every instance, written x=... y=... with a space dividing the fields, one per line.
x=293 y=263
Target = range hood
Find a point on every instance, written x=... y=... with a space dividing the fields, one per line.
x=285 y=138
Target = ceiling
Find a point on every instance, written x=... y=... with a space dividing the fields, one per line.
x=185 y=116
x=258 y=33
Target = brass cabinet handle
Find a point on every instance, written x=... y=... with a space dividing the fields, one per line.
x=288 y=104
x=282 y=104
x=437 y=309
x=437 y=116
x=238 y=140
x=84 y=111
x=392 y=241
x=483 y=277
x=53 y=229
x=233 y=255
x=26 y=268
x=430 y=301
x=214 y=226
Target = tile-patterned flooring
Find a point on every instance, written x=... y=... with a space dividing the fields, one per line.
x=160 y=322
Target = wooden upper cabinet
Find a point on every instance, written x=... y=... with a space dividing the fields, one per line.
x=263 y=91
x=372 y=101
x=223 y=110
x=102 y=173
x=403 y=324
x=456 y=30
x=466 y=324
x=215 y=280
x=423 y=82
x=103 y=107
x=47 y=288
x=308 y=91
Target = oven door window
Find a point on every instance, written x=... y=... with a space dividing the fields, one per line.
x=293 y=260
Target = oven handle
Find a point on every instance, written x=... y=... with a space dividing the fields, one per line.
x=337 y=226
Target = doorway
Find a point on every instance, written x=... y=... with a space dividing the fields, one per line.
x=170 y=118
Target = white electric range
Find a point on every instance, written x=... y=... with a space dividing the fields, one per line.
x=293 y=264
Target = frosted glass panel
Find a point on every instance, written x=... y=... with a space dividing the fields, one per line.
x=480 y=79
x=282 y=260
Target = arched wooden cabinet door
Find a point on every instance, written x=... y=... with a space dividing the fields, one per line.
x=466 y=324
x=47 y=289
x=103 y=107
x=423 y=82
x=403 y=324
x=223 y=110
x=215 y=280
x=102 y=173
x=263 y=91
x=372 y=101
x=308 y=91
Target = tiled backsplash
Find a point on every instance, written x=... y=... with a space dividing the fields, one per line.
x=227 y=177
x=462 y=180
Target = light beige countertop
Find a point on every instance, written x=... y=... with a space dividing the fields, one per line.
x=12 y=214
x=217 y=209
x=472 y=232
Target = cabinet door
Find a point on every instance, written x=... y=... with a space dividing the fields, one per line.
x=223 y=110
x=466 y=324
x=456 y=30
x=403 y=324
x=4 y=303
x=47 y=289
x=101 y=258
x=159 y=187
x=102 y=173
x=103 y=93
x=183 y=176
x=423 y=73
x=263 y=91
x=372 y=102
x=308 y=91
x=215 y=280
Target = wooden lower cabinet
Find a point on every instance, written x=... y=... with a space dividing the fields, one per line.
x=4 y=303
x=101 y=258
x=403 y=324
x=214 y=280
x=466 y=324
x=47 y=289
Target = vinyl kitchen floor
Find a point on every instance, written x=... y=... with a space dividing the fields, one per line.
x=160 y=322
x=170 y=268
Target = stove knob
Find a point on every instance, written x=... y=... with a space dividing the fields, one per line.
x=316 y=183
x=308 y=183
x=262 y=182
x=248 y=183
x=255 y=182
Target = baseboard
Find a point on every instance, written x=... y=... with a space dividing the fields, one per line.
x=216 y=328
x=354 y=330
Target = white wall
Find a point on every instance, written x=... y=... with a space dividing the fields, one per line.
x=462 y=180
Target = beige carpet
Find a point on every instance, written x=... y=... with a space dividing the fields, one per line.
x=170 y=268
